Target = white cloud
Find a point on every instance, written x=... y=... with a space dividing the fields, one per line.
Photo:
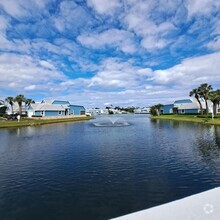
x=71 y=17
x=3 y=25
x=31 y=87
x=22 y=72
x=127 y=97
x=138 y=19
x=214 y=45
x=191 y=72
x=47 y=65
x=202 y=7
x=104 y=6
x=121 y=39
x=23 y=8
x=115 y=73
x=22 y=46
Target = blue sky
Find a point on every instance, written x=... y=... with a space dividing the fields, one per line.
x=101 y=52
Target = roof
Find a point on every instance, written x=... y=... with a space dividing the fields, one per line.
x=47 y=101
x=55 y=101
x=167 y=105
x=60 y=102
x=47 y=107
x=183 y=101
x=188 y=106
x=77 y=105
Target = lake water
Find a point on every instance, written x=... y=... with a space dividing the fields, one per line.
x=80 y=171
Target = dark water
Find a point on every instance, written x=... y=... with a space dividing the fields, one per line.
x=79 y=171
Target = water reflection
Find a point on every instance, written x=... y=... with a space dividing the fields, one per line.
x=79 y=171
x=208 y=142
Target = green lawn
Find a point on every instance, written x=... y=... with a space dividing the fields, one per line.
x=36 y=122
x=188 y=118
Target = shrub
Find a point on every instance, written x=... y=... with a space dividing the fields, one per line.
x=208 y=116
x=5 y=115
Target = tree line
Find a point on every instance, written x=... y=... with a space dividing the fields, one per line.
x=20 y=99
x=205 y=92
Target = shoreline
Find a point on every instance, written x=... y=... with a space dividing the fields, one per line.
x=189 y=118
x=38 y=122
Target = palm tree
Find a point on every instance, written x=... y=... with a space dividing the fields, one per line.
x=214 y=96
x=204 y=90
x=195 y=93
x=10 y=101
x=29 y=101
x=19 y=99
x=155 y=109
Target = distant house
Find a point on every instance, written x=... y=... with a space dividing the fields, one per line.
x=47 y=108
x=101 y=111
x=167 y=109
x=145 y=110
x=185 y=106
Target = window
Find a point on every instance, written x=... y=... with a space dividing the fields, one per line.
x=219 y=110
x=82 y=112
x=59 y=112
x=183 y=111
x=42 y=113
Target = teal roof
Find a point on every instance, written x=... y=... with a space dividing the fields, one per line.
x=60 y=102
x=77 y=105
x=183 y=101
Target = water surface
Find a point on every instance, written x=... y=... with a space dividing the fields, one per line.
x=80 y=171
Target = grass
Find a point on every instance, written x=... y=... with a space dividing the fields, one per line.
x=36 y=122
x=188 y=118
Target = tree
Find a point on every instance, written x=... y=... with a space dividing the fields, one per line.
x=19 y=99
x=195 y=93
x=28 y=102
x=214 y=96
x=10 y=101
x=155 y=109
x=204 y=90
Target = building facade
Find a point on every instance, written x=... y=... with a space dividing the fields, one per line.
x=186 y=106
x=51 y=108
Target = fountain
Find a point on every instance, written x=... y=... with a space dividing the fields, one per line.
x=111 y=122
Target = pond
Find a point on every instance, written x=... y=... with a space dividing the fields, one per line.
x=82 y=171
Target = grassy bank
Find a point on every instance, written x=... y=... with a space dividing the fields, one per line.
x=36 y=122
x=188 y=118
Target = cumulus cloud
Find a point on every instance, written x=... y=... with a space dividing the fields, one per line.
x=121 y=39
x=215 y=44
x=153 y=34
x=191 y=72
x=115 y=73
x=202 y=7
x=72 y=17
x=3 y=25
x=31 y=87
x=23 y=8
x=104 y=6
x=21 y=72
x=47 y=65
